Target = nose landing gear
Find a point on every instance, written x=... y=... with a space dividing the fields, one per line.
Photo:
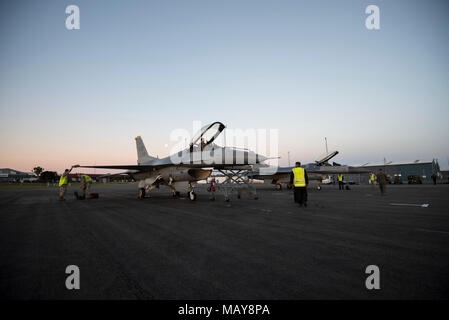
x=141 y=193
x=191 y=195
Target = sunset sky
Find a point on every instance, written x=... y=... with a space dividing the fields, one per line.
x=310 y=69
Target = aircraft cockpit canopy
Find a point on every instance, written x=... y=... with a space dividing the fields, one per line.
x=208 y=133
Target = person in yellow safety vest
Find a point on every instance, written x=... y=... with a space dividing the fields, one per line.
x=86 y=183
x=340 y=182
x=63 y=181
x=300 y=180
x=372 y=178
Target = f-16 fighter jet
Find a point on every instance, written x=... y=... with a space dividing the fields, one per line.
x=182 y=170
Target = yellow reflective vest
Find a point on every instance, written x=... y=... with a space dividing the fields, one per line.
x=372 y=177
x=87 y=178
x=63 y=180
x=299 y=179
x=340 y=177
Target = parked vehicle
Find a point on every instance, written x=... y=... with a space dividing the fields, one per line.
x=397 y=179
x=414 y=179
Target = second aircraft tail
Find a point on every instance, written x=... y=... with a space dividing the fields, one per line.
x=142 y=154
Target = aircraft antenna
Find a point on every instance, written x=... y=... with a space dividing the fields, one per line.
x=325 y=140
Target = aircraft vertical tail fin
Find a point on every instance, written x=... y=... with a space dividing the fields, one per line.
x=142 y=154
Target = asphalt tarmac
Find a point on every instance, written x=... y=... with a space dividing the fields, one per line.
x=165 y=248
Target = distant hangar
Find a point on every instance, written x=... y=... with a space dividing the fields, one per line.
x=401 y=170
x=11 y=175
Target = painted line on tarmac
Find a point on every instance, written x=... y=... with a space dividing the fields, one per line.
x=433 y=231
x=424 y=205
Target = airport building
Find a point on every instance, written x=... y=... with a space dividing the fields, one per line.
x=444 y=176
x=401 y=172
x=11 y=175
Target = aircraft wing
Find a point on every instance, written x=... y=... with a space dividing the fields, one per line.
x=229 y=167
x=337 y=170
x=110 y=175
x=286 y=171
x=121 y=167
x=148 y=167
x=326 y=170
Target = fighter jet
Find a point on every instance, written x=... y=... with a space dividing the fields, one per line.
x=316 y=171
x=182 y=170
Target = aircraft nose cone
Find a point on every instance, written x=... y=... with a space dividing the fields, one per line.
x=260 y=158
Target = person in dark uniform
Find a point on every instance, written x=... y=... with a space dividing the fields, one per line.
x=382 y=181
x=300 y=180
x=434 y=178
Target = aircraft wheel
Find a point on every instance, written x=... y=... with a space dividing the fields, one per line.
x=192 y=196
x=176 y=194
x=141 y=193
x=318 y=187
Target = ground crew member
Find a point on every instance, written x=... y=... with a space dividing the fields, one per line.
x=300 y=180
x=63 y=181
x=382 y=181
x=434 y=178
x=372 y=177
x=340 y=182
x=86 y=183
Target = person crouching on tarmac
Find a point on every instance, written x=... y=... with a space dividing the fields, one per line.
x=300 y=180
x=63 y=181
x=86 y=183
